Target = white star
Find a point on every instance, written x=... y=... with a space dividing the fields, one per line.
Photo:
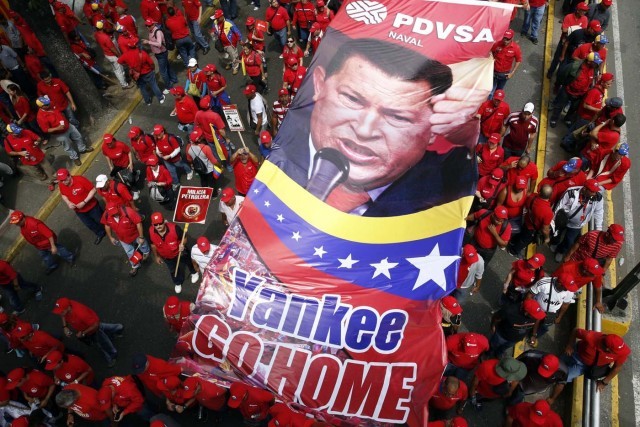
x=319 y=251
x=383 y=268
x=296 y=236
x=347 y=262
x=256 y=191
x=267 y=203
x=432 y=268
x=280 y=218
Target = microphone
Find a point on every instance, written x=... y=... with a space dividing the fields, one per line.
x=330 y=168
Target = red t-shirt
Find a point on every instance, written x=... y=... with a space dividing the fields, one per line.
x=163 y=175
x=593 y=98
x=245 y=173
x=592 y=343
x=144 y=146
x=116 y=193
x=48 y=119
x=521 y=414
x=119 y=153
x=87 y=405
x=127 y=396
x=106 y=43
x=519 y=131
x=571 y=20
x=617 y=174
x=608 y=138
x=204 y=119
x=256 y=37
x=123 y=42
x=186 y=110
x=77 y=192
x=483 y=238
x=22 y=107
x=37 y=233
x=256 y=406
x=530 y=172
x=573 y=268
x=252 y=63
x=177 y=25
x=167 y=145
x=505 y=56
x=443 y=403
x=488 y=377
x=585 y=49
x=167 y=245
x=37 y=384
x=157 y=370
x=541 y=213
x=191 y=9
x=581 y=84
x=489 y=160
x=125 y=226
x=176 y=322
x=7 y=273
x=56 y=91
x=80 y=317
x=294 y=51
x=42 y=343
x=492 y=117
x=149 y=9
x=304 y=15
x=25 y=142
x=34 y=66
x=523 y=276
x=457 y=355
x=137 y=59
x=211 y=396
x=277 y=17
x=72 y=369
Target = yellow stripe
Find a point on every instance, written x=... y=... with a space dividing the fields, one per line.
x=327 y=219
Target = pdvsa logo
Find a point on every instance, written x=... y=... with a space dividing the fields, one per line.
x=367 y=12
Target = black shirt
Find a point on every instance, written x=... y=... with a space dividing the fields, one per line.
x=534 y=382
x=514 y=323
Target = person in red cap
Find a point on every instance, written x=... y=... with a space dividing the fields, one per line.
x=279 y=109
x=576 y=207
x=168 y=148
x=489 y=155
x=176 y=312
x=82 y=401
x=316 y=33
x=159 y=180
x=11 y=282
x=523 y=274
x=554 y=294
x=604 y=246
x=193 y=12
x=293 y=75
x=283 y=416
x=229 y=205
x=496 y=379
x=124 y=227
x=324 y=15
x=42 y=238
x=304 y=15
x=258 y=109
x=117 y=154
x=544 y=370
x=463 y=353
x=264 y=145
x=150 y=9
x=208 y=395
x=167 y=241
x=149 y=370
x=492 y=114
x=36 y=342
x=143 y=144
x=252 y=402
x=515 y=167
x=79 y=195
x=201 y=159
x=185 y=109
x=175 y=400
x=564 y=50
x=24 y=145
x=84 y=322
x=451 y=315
x=584 y=272
x=538 y=414
x=212 y=126
x=126 y=41
x=68 y=369
x=492 y=230
x=115 y=193
x=120 y=396
x=56 y=125
x=456 y=421
x=598 y=356
x=36 y=387
x=216 y=88
x=449 y=399
x=489 y=186
x=513 y=197
x=229 y=36
x=512 y=323
x=470 y=273
x=507 y=57
x=201 y=254
x=537 y=217
x=278 y=22
x=601 y=12
x=564 y=175
x=142 y=71
x=158 y=46
x=245 y=168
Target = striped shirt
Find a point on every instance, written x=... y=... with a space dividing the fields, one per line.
x=519 y=131
x=280 y=110
x=587 y=247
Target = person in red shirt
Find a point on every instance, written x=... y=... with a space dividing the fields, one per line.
x=177 y=24
x=88 y=327
x=562 y=176
x=304 y=15
x=291 y=49
x=536 y=220
x=185 y=109
x=449 y=398
x=35 y=386
x=489 y=186
x=117 y=154
x=149 y=9
x=207 y=394
x=463 y=352
x=168 y=147
x=492 y=114
x=111 y=53
x=216 y=88
x=245 y=169
x=522 y=127
x=595 y=350
x=38 y=343
x=207 y=166
x=83 y=401
x=577 y=19
x=538 y=414
x=507 y=57
x=176 y=312
x=68 y=369
x=167 y=242
x=158 y=177
x=149 y=370
x=598 y=45
x=175 y=400
x=293 y=75
x=212 y=126
x=43 y=238
x=142 y=70
x=58 y=92
x=523 y=274
x=520 y=166
x=24 y=145
x=33 y=65
x=513 y=198
x=584 y=272
x=255 y=36
x=124 y=226
x=11 y=282
x=114 y=192
x=25 y=113
x=252 y=402
x=496 y=379
x=324 y=15
x=492 y=230
x=489 y=155
x=278 y=21
x=79 y=195
x=612 y=168
x=607 y=134
x=122 y=397
x=143 y=144
x=254 y=66
x=315 y=37
x=56 y=125
x=126 y=40
x=193 y=11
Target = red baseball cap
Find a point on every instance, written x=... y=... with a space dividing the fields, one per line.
x=149 y=22
x=283 y=92
x=62 y=174
x=218 y=14
x=152 y=160
x=250 y=20
x=14 y=377
x=470 y=343
x=172 y=306
x=495 y=139
x=568 y=282
x=265 y=137
x=205 y=102
x=533 y=309
x=607 y=77
x=614 y=343
x=16 y=217
x=595 y=26
x=210 y=68
x=451 y=304
x=227 y=194
x=177 y=90
x=157 y=218
x=52 y=360
x=135 y=132
x=593 y=266
x=61 y=305
x=189 y=386
x=195 y=134
x=606 y=2
x=22 y=330
x=536 y=261
x=498 y=94
x=617 y=232
x=548 y=365
x=582 y=6
x=158 y=129
x=107 y=138
x=538 y=412
x=204 y=244
x=249 y=90
x=292 y=60
x=501 y=212
x=237 y=392
x=508 y=34
x=168 y=383
x=470 y=254
x=496 y=175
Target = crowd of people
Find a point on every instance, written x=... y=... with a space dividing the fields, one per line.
x=512 y=208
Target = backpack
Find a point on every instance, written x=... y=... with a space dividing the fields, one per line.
x=568 y=73
x=168 y=43
x=177 y=138
x=198 y=165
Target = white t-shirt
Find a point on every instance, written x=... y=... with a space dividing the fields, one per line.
x=258 y=107
x=541 y=294
x=231 y=213
x=202 y=259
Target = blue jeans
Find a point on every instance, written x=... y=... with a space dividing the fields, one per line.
x=68 y=112
x=570 y=237
x=281 y=36
x=185 y=260
x=150 y=80
x=173 y=169
x=561 y=100
x=575 y=366
x=130 y=248
x=532 y=19
x=166 y=72
x=509 y=152
x=102 y=338
x=499 y=345
x=197 y=34
x=12 y=294
x=453 y=371
x=186 y=49
x=304 y=36
x=92 y=219
x=49 y=260
x=499 y=82
x=229 y=8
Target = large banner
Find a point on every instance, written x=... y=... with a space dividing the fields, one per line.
x=325 y=289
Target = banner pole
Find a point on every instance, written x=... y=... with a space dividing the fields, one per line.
x=184 y=239
x=241 y=139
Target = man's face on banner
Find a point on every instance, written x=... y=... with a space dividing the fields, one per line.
x=380 y=123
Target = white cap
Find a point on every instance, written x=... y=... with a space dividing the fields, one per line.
x=193 y=62
x=528 y=107
x=101 y=180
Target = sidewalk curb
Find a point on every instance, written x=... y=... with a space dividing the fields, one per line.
x=51 y=203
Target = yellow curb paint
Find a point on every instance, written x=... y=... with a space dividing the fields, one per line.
x=578 y=383
x=51 y=203
x=615 y=407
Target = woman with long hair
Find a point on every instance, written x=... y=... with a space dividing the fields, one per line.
x=26 y=114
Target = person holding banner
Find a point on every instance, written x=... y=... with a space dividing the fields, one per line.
x=229 y=205
x=166 y=245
